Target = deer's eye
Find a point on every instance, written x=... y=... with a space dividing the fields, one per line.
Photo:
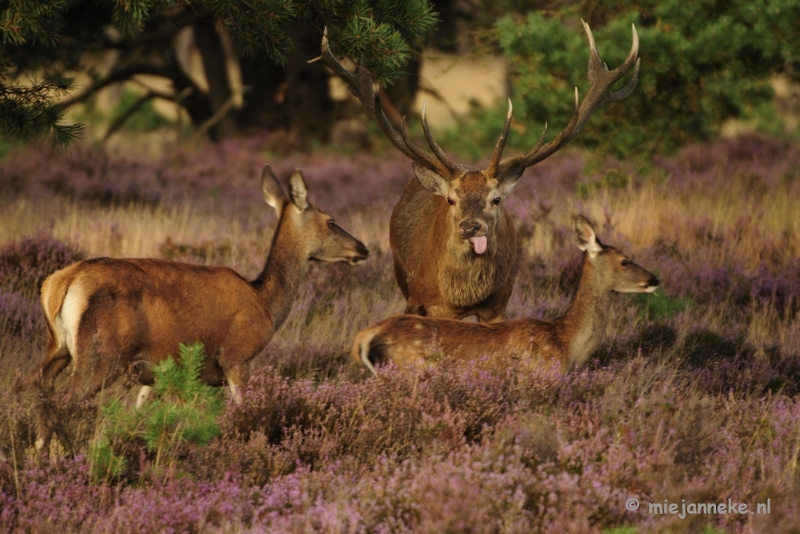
x=625 y=263
x=496 y=201
x=451 y=201
x=331 y=223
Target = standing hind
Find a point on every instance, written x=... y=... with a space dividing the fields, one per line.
x=105 y=315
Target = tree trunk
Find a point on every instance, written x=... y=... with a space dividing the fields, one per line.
x=215 y=64
x=263 y=102
x=295 y=98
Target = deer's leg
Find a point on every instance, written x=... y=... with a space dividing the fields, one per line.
x=47 y=424
x=143 y=395
x=492 y=316
x=401 y=277
x=44 y=427
x=237 y=376
x=55 y=361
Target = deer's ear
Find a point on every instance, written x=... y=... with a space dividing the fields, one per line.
x=298 y=190
x=587 y=238
x=431 y=180
x=272 y=190
x=509 y=179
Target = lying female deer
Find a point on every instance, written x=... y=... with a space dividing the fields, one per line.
x=567 y=341
x=105 y=315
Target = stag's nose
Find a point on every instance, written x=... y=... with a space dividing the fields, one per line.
x=469 y=228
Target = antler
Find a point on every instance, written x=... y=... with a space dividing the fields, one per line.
x=600 y=82
x=363 y=87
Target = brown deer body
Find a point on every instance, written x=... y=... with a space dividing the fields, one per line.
x=106 y=315
x=439 y=271
x=454 y=245
x=567 y=341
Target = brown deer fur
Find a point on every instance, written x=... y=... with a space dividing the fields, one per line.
x=104 y=315
x=567 y=341
x=435 y=262
x=455 y=249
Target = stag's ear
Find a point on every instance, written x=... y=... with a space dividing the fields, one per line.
x=298 y=190
x=509 y=179
x=431 y=180
x=272 y=190
x=587 y=239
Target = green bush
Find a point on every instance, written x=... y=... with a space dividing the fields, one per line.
x=183 y=411
x=702 y=63
x=146 y=119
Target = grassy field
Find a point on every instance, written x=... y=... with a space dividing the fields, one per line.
x=691 y=398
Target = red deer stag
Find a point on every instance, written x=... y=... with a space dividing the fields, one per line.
x=567 y=341
x=105 y=315
x=454 y=245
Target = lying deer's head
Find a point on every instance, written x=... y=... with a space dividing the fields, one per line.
x=614 y=271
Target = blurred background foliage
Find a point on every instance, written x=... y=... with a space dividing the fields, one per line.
x=703 y=65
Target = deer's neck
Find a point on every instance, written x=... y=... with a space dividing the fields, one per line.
x=581 y=329
x=284 y=270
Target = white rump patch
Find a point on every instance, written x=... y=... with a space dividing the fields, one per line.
x=68 y=319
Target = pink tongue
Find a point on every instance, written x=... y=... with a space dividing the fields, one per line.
x=479 y=243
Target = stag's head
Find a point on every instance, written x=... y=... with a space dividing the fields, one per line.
x=475 y=196
x=317 y=233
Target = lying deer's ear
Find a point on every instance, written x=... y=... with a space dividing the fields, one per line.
x=298 y=190
x=587 y=239
x=272 y=190
x=431 y=180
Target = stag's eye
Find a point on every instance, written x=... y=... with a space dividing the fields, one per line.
x=331 y=223
x=451 y=201
x=496 y=201
x=625 y=263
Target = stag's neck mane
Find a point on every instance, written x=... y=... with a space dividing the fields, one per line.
x=470 y=280
x=582 y=327
x=284 y=270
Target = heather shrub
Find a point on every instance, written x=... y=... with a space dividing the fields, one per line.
x=27 y=261
x=691 y=395
x=19 y=316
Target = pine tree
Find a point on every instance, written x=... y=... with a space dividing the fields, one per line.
x=53 y=36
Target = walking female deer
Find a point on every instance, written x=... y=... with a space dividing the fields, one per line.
x=454 y=246
x=567 y=341
x=104 y=314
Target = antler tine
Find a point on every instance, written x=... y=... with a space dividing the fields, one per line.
x=362 y=86
x=501 y=143
x=422 y=157
x=599 y=94
x=437 y=150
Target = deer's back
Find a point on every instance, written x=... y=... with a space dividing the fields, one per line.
x=413 y=339
x=147 y=307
